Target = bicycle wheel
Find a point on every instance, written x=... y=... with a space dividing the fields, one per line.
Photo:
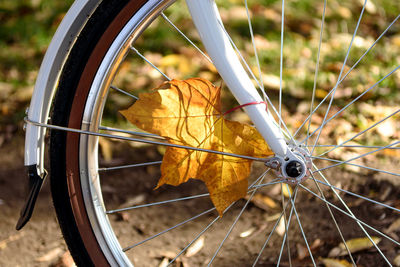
x=102 y=185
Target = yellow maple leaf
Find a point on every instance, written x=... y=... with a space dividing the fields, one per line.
x=189 y=113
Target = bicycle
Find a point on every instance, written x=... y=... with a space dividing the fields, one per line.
x=93 y=46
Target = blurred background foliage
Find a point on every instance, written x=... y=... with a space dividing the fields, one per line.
x=26 y=29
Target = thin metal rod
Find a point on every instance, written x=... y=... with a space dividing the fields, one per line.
x=355 y=146
x=234 y=223
x=169 y=229
x=359 y=196
x=286 y=228
x=301 y=227
x=334 y=220
x=362 y=132
x=61 y=128
x=149 y=62
x=357 y=165
x=281 y=60
x=353 y=217
x=360 y=156
x=194 y=240
x=142 y=134
x=340 y=75
x=350 y=212
x=128 y=166
x=286 y=235
x=123 y=92
x=354 y=100
x=348 y=72
x=184 y=36
x=273 y=229
x=157 y=203
x=254 y=48
x=316 y=69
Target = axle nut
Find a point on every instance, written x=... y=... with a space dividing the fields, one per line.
x=294 y=169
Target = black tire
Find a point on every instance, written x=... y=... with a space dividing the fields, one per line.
x=96 y=27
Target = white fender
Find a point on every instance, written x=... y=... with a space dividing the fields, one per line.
x=48 y=77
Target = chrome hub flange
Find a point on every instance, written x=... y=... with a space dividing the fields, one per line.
x=292 y=170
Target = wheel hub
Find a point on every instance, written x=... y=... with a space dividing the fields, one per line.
x=294 y=170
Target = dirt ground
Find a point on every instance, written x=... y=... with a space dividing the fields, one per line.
x=40 y=243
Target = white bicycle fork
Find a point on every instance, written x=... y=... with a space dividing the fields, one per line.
x=207 y=20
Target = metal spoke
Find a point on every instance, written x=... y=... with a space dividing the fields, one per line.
x=350 y=212
x=234 y=224
x=340 y=75
x=254 y=48
x=354 y=164
x=362 y=132
x=274 y=228
x=316 y=69
x=149 y=62
x=281 y=59
x=194 y=240
x=301 y=228
x=286 y=228
x=286 y=235
x=359 y=196
x=129 y=166
x=334 y=220
x=348 y=72
x=187 y=198
x=123 y=92
x=169 y=229
x=360 y=156
x=354 y=218
x=355 y=146
x=61 y=128
x=157 y=203
x=142 y=134
x=184 y=36
x=354 y=100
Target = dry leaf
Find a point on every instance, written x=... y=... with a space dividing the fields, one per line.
x=247 y=232
x=4 y=243
x=287 y=190
x=354 y=245
x=164 y=262
x=263 y=202
x=394 y=226
x=189 y=113
x=397 y=261
x=51 y=255
x=65 y=260
x=195 y=247
x=358 y=244
x=280 y=229
x=336 y=263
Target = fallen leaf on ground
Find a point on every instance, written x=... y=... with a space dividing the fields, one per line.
x=397 y=260
x=65 y=260
x=263 y=202
x=394 y=226
x=195 y=247
x=354 y=245
x=4 y=243
x=189 y=113
x=336 y=263
x=51 y=255
x=247 y=232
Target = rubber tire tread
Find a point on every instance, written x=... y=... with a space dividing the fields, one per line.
x=71 y=74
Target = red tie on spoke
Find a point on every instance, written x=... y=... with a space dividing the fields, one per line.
x=247 y=104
